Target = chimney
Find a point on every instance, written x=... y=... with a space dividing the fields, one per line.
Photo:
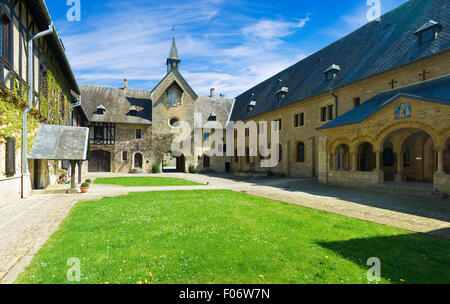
x=125 y=84
x=213 y=94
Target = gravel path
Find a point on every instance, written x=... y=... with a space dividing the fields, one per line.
x=27 y=224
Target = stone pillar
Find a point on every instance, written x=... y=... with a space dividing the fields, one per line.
x=80 y=164
x=440 y=160
x=399 y=176
x=354 y=159
x=378 y=159
x=73 y=165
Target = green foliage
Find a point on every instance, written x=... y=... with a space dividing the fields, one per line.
x=225 y=237
x=88 y=181
x=84 y=185
x=191 y=169
x=14 y=102
x=156 y=168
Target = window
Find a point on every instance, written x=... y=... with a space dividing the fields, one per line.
x=280 y=151
x=427 y=36
x=356 y=102
x=5 y=41
x=330 y=75
x=296 y=121
x=388 y=157
x=174 y=96
x=279 y=124
x=124 y=156
x=330 y=112
x=301 y=152
x=138 y=133
x=323 y=114
x=302 y=119
x=212 y=117
x=174 y=123
x=98 y=132
x=10 y=156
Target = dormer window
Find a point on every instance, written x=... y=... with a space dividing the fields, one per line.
x=251 y=106
x=100 y=110
x=332 y=72
x=133 y=111
x=212 y=117
x=428 y=32
x=282 y=93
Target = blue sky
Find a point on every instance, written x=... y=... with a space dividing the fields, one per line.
x=228 y=45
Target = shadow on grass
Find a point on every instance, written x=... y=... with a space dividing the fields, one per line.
x=412 y=258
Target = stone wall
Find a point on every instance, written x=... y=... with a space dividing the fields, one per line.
x=354 y=178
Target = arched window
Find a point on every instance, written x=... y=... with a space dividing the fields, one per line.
x=174 y=96
x=301 y=152
x=388 y=157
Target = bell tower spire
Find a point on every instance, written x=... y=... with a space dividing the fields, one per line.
x=173 y=61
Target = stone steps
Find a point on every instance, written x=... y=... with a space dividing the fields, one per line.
x=411 y=190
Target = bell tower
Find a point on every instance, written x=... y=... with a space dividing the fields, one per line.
x=173 y=61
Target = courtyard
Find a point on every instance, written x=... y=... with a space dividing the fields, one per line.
x=262 y=226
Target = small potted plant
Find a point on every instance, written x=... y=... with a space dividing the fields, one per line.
x=84 y=187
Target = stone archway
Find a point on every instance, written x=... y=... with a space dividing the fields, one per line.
x=366 y=157
x=412 y=155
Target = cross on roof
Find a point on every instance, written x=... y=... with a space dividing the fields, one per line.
x=392 y=83
x=424 y=74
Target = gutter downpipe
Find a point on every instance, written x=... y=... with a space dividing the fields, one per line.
x=336 y=103
x=30 y=100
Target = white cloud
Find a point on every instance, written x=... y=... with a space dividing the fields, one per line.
x=113 y=46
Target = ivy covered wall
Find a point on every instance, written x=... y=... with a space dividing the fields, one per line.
x=54 y=107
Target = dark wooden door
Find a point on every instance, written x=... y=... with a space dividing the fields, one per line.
x=181 y=164
x=138 y=161
x=227 y=167
x=100 y=161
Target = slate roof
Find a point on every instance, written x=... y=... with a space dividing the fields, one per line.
x=372 y=49
x=39 y=10
x=221 y=107
x=436 y=91
x=117 y=103
x=60 y=143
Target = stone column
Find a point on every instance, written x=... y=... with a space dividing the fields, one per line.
x=73 y=165
x=378 y=159
x=440 y=160
x=399 y=176
x=80 y=163
x=354 y=159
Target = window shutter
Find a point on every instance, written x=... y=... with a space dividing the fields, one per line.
x=10 y=156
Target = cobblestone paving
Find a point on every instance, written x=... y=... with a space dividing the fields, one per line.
x=27 y=224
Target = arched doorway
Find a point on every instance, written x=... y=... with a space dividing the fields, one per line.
x=366 y=157
x=138 y=161
x=100 y=161
x=409 y=155
x=171 y=163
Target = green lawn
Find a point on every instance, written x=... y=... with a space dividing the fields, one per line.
x=228 y=237
x=145 y=181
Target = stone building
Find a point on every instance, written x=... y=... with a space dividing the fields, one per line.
x=132 y=130
x=371 y=108
x=54 y=91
